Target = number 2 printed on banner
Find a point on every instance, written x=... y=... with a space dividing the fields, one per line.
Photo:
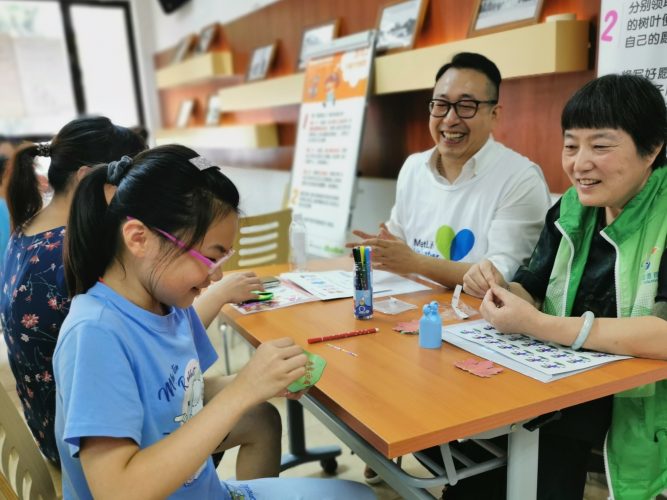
x=611 y=17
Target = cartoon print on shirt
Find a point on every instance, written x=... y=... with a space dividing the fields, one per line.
x=193 y=401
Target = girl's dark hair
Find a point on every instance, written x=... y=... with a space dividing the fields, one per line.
x=626 y=102
x=83 y=141
x=162 y=188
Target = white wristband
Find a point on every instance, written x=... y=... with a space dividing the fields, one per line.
x=585 y=330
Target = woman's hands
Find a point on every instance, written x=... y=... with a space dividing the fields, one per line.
x=480 y=277
x=274 y=366
x=508 y=312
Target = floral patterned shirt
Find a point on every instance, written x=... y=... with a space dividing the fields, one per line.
x=33 y=305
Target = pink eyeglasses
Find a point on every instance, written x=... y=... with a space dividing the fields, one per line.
x=211 y=265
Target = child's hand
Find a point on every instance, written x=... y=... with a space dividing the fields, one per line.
x=237 y=287
x=274 y=366
x=292 y=395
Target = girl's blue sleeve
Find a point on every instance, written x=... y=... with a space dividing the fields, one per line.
x=98 y=393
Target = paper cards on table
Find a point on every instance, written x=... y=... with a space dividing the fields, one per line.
x=284 y=295
x=327 y=285
x=540 y=360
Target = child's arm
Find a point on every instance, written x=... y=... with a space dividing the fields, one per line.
x=213 y=384
x=235 y=287
x=119 y=468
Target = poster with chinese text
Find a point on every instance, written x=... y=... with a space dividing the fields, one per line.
x=633 y=39
x=329 y=132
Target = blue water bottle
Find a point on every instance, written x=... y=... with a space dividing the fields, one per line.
x=430 y=327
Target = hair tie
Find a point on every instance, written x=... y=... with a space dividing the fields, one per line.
x=116 y=170
x=43 y=149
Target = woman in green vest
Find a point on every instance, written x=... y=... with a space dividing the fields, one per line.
x=597 y=280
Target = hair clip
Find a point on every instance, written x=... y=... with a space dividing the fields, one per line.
x=202 y=163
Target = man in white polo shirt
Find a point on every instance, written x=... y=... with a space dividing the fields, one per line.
x=469 y=198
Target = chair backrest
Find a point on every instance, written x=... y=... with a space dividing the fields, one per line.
x=22 y=466
x=261 y=240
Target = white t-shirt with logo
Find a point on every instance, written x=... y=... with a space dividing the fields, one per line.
x=494 y=210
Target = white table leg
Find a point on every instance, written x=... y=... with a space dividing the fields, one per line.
x=522 y=464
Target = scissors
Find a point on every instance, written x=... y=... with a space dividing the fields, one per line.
x=262 y=295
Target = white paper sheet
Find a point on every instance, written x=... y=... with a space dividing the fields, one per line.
x=327 y=285
x=284 y=295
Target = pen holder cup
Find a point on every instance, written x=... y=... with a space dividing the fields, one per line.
x=363 y=304
x=363 y=293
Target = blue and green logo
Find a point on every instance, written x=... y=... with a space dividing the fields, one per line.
x=454 y=246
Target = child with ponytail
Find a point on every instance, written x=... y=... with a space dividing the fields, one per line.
x=136 y=418
x=34 y=299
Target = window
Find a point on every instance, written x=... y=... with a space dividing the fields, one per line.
x=37 y=95
x=63 y=58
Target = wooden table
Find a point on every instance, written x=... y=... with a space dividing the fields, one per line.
x=395 y=398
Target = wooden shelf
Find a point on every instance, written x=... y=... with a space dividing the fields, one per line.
x=279 y=158
x=279 y=91
x=241 y=136
x=545 y=48
x=551 y=47
x=196 y=69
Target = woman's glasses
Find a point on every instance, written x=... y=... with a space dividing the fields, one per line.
x=210 y=264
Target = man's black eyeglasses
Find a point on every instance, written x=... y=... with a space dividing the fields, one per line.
x=465 y=108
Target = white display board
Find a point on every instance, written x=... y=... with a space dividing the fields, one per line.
x=36 y=87
x=329 y=132
x=11 y=101
x=633 y=40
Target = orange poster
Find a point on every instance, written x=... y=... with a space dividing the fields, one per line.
x=329 y=131
x=337 y=77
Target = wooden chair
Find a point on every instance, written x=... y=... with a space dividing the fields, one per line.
x=262 y=240
x=24 y=473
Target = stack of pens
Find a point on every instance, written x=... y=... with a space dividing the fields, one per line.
x=363 y=287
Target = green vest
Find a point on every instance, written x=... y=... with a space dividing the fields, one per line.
x=636 y=445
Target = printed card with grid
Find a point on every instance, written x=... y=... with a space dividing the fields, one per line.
x=545 y=361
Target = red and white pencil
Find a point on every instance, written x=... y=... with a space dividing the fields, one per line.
x=342 y=335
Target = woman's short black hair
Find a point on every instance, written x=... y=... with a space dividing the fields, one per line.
x=626 y=102
x=162 y=188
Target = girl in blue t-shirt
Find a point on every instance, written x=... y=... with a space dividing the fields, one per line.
x=135 y=416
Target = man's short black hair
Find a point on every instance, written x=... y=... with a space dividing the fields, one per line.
x=471 y=60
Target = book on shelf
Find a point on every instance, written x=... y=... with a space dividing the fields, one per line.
x=544 y=361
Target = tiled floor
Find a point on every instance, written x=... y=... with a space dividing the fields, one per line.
x=349 y=465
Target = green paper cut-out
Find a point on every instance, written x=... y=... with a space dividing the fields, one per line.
x=314 y=368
